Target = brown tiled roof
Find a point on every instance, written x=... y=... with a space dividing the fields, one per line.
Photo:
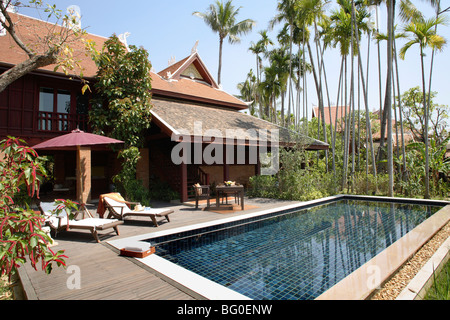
x=188 y=89
x=172 y=68
x=340 y=110
x=179 y=118
x=30 y=31
x=374 y=122
x=407 y=135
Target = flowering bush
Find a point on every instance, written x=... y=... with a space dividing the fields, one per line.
x=21 y=228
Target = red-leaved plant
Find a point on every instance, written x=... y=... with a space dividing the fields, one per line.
x=21 y=228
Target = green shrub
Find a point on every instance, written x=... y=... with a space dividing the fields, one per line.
x=262 y=186
x=162 y=191
x=368 y=184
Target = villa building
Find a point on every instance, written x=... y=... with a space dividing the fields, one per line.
x=199 y=132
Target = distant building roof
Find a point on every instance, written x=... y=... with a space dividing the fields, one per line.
x=340 y=111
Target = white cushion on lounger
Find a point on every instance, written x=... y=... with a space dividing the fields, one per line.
x=88 y=222
x=115 y=204
x=126 y=209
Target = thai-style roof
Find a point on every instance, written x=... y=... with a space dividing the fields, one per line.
x=187 y=79
x=33 y=32
x=205 y=122
x=183 y=93
x=339 y=111
x=195 y=91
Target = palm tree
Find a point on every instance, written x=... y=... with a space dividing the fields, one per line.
x=283 y=62
x=310 y=13
x=257 y=49
x=423 y=32
x=287 y=12
x=270 y=89
x=222 y=19
x=248 y=92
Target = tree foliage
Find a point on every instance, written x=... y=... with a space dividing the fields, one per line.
x=414 y=115
x=122 y=103
x=21 y=228
x=221 y=18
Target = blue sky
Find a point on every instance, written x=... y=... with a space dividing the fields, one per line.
x=168 y=29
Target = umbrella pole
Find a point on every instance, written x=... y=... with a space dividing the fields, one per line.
x=83 y=174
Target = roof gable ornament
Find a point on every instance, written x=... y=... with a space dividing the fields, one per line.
x=172 y=61
x=194 y=48
x=191 y=67
x=123 y=38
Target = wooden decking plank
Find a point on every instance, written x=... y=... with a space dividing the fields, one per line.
x=105 y=274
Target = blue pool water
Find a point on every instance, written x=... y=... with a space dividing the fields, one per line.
x=297 y=254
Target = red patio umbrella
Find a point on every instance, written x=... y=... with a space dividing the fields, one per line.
x=82 y=141
x=76 y=138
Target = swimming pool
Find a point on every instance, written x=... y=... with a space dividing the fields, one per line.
x=296 y=253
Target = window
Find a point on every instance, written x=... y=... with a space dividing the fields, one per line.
x=56 y=112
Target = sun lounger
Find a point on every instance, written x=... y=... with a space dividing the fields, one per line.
x=62 y=223
x=121 y=210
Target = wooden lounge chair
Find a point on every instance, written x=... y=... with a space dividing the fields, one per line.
x=120 y=210
x=62 y=223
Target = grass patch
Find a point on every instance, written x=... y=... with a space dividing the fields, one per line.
x=440 y=290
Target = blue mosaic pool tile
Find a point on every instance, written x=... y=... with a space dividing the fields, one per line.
x=296 y=254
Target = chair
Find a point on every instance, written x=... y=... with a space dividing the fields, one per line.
x=201 y=192
x=120 y=210
x=62 y=223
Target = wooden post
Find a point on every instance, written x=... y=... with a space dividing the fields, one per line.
x=83 y=174
x=143 y=167
x=226 y=166
x=183 y=191
x=258 y=166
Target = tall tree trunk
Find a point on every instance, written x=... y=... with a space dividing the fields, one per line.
x=21 y=69
x=388 y=97
x=336 y=115
x=427 y=107
x=402 y=132
x=257 y=96
x=329 y=110
x=368 y=124
x=425 y=134
x=219 y=72
x=290 y=76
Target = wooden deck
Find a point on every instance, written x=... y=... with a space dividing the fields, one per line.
x=103 y=274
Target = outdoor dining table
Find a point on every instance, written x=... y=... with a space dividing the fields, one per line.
x=230 y=190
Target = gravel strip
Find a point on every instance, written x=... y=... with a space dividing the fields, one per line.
x=392 y=288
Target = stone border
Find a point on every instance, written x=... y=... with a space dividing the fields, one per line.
x=419 y=285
